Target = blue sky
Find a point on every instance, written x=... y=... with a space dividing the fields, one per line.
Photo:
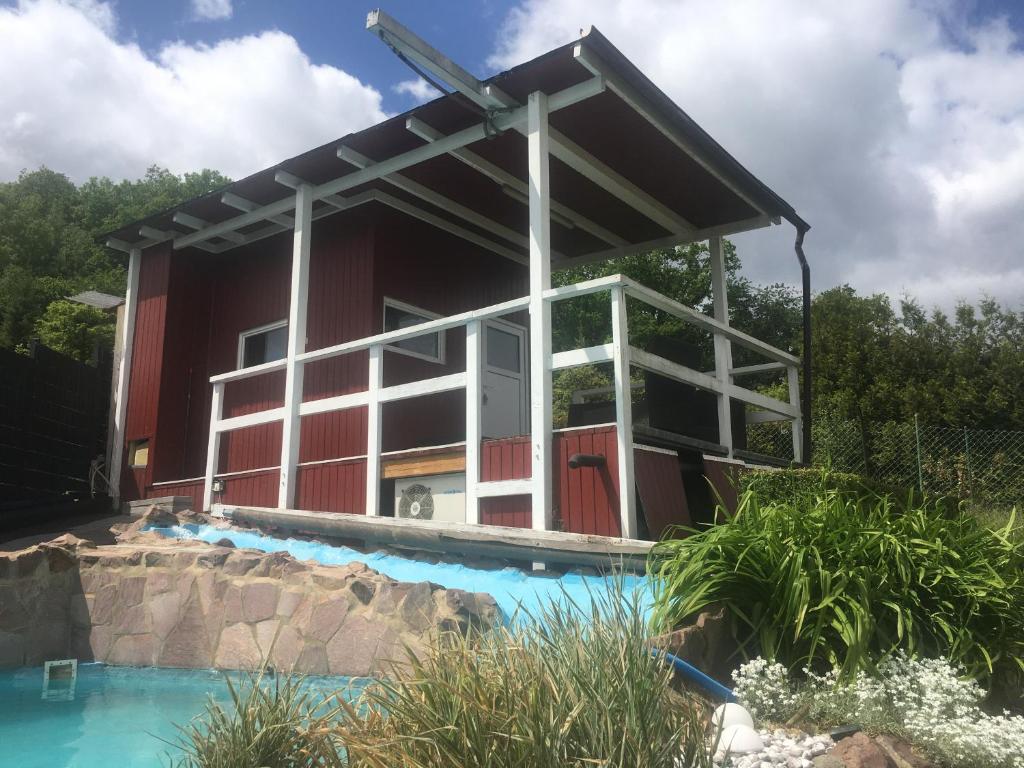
x=896 y=127
x=333 y=32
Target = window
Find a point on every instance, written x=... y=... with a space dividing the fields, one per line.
x=263 y=345
x=398 y=315
x=503 y=349
x=138 y=453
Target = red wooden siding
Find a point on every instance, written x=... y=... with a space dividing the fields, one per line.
x=333 y=487
x=724 y=477
x=506 y=459
x=659 y=481
x=587 y=499
x=192 y=489
x=147 y=363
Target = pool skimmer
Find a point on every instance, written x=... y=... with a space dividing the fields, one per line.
x=59 y=678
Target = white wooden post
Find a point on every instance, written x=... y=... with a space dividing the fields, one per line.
x=540 y=310
x=373 y=430
x=623 y=413
x=797 y=424
x=124 y=374
x=723 y=347
x=213 y=446
x=291 y=424
x=474 y=391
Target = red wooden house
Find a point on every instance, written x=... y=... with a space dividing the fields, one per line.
x=366 y=327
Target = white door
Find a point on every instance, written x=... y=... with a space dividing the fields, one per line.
x=504 y=380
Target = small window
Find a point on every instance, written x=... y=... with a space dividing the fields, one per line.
x=398 y=316
x=503 y=349
x=138 y=453
x=263 y=345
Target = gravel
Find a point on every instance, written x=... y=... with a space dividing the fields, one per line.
x=781 y=749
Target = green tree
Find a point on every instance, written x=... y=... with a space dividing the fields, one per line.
x=75 y=329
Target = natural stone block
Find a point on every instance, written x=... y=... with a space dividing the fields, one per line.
x=12 y=615
x=132 y=590
x=353 y=650
x=288 y=602
x=100 y=639
x=103 y=604
x=133 y=620
x=266 y=634
x=286 y=650
x=363 y=589
x=259 y=601
x=859 y=751
x=165 y=612
x=12 y=649
x=418 y=608
x=326 y=618
x=187 y=644
x=237 y=648
x=240 y=563
x=80 y=610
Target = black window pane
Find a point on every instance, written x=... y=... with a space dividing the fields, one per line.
x=396 y=319
x=265 y=347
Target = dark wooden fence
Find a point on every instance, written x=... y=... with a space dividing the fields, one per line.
x=53 y=417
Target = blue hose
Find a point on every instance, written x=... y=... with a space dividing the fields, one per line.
x=693 y=674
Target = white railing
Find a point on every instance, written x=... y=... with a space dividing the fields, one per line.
x=619 y=352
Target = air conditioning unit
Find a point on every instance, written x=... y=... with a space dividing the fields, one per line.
x=431 y=497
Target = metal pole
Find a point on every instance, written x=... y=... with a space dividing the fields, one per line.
x=967 y=456
x=917 y=438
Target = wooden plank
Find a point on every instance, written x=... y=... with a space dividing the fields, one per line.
x=415 y=466
x=463 y=538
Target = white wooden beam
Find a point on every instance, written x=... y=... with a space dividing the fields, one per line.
x=374 y=433
x=474 y=421
x=540 y=311
x=797 y=424
x=600 y=353
x=250 y=419
x=213 y=444
x=194 y=222
x=623 y=414
x=672 y=241
x=294 y=369
x=722 y=345
x=416 y=49
x=124 y=373
x=494 y=488
x=500 y=122
x=422 y=387
x=512 y=184
x=232 y=200
x=426 y=194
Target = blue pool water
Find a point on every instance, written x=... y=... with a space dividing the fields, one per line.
x=510 y=587
x=117 y=717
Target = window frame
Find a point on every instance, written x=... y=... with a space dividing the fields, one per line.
x=424 y=313
x=243 y=335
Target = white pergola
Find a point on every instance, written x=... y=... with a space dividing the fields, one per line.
x=298 y=211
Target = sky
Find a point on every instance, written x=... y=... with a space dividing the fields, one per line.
x=895 y=127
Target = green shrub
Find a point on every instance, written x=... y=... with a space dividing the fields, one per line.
x=570 y=690
x=278 y=722
x=837 y=579
x=780 y=486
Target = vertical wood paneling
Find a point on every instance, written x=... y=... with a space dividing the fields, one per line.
x=334 y=487
x=193 y=489
x=659 y=481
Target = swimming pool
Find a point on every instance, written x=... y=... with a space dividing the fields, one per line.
x=117 y=717
x=510 y=587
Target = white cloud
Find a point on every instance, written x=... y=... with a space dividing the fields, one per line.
x=895 y=127
x=419 y=89
x=85 y=103
x=212 y=9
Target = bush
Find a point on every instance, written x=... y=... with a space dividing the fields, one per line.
x=275 y=722
x=568 y=690
x=831 y=579
x=779 y=486
x=925 y=701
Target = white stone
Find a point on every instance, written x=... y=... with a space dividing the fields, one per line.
x=731 y=714
x=740 y=740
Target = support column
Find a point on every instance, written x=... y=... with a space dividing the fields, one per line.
x=540 y=310
x=374 y=433
x=797 y=424
x=623 y=413
x=291 y=424
x=723 y=347
x=474 y=390
x=213 y=445
x=124 y=373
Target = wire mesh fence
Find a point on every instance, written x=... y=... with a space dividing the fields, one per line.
x=982 y=466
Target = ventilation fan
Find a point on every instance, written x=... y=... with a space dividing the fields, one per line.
x=416 y=502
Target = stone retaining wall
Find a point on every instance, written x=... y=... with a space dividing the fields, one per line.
x=186 y=604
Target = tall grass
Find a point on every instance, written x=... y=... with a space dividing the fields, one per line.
x=833 y=578
x=567 y=688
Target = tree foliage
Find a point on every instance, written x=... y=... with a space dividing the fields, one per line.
x=51 y=246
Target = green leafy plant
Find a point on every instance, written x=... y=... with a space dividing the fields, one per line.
x=278 y=722
x=572 y=689
x=837 y=579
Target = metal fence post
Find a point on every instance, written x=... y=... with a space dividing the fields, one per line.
x=967 y=457
x=917 y=438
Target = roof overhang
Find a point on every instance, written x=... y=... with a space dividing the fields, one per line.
x=630 y=171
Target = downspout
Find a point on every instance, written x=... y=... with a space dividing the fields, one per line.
x=805 y=395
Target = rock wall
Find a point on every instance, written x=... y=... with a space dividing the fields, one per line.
x=187 y=604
